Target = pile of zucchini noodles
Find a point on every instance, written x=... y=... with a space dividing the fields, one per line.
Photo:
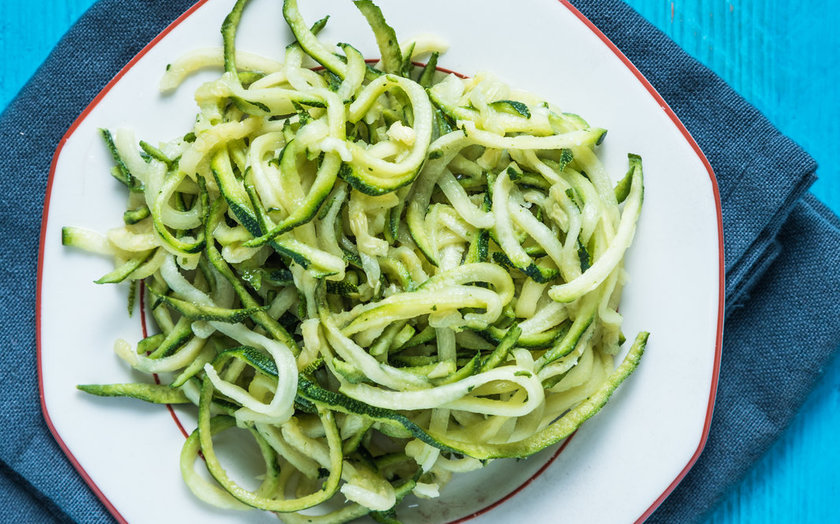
x=385 y=274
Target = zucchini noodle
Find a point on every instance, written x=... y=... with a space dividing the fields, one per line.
x=381 y=274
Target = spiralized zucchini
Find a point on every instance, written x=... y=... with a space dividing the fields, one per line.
x=385 y=275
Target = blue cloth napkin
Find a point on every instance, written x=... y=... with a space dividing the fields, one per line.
x=778 y=244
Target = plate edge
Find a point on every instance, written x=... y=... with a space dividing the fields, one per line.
x=42 y=242
x=721 y=268
x=610 y=45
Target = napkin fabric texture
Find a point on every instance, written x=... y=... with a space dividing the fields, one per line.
x=782 y=255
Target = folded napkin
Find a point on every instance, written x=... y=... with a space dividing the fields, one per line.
x=777 y=245
x=781 y=328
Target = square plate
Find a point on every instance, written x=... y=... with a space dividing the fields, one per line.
x=632 y=454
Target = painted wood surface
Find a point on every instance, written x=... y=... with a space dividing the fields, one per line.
x=781 y=55
x=784 y=57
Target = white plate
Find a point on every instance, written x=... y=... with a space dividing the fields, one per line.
x=617 y=468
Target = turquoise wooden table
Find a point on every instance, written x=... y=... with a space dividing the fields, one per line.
x=782 y=56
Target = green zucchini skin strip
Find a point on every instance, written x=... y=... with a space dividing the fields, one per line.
x=467 y=370
x=122 y=172
x=234 y=192
x=181 y=333
x=622 y=188
x=514 y=254
x=124 y=271
x=309 y=42
x=531 y=341
x=386 y=38
x=249 y=355
x=344 y=404
x=370 y=185
x=155 y=153
x=321 y=187
x=374 y=176
x=429 y=70
x=501 y=352
x=512 y=107
x=600 y=270
x=136 y=215
x=195 y=312
x=154 y=393
x=215 y=468
x=443 y=150
x=229 y=27
x=586 y=316
x=190 y=452
x=274 y=329
x=562 y=427
x=170 y=242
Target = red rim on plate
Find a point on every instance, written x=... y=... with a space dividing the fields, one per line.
x=651 y=90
